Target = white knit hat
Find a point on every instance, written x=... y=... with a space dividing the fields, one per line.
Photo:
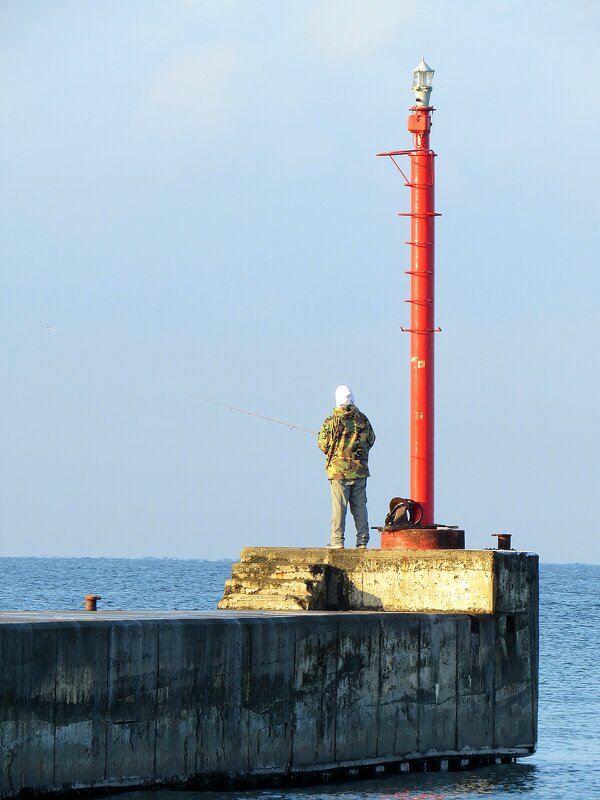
x=344 y=396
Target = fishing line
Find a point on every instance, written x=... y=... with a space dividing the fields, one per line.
x=290 y=425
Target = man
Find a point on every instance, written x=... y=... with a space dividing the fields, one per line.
x=346 y=438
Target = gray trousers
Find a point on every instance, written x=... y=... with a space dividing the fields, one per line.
x=355 y=493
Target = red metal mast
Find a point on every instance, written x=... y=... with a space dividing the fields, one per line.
x=411 y=524
x=422 y=299
x=422 y=303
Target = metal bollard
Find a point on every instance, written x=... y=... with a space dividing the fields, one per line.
x=90 y=601
x=503 y=540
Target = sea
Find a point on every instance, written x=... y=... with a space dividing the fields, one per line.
x=566 y=764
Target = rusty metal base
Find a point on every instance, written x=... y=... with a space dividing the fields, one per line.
x=422 y=538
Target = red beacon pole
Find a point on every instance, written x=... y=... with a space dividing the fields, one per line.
x=422 y=296
x=422 y=326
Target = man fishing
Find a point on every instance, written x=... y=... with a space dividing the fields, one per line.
x=346 y=437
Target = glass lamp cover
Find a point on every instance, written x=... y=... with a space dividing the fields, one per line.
x=423 y=78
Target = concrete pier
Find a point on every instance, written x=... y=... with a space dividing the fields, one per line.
x=90 y=700
x=140 y=699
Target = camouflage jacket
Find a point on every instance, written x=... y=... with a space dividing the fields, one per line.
x=346 y=438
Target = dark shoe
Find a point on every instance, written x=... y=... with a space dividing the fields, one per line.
x=361 y=546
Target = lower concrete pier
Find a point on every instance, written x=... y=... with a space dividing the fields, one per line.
x=93 y=700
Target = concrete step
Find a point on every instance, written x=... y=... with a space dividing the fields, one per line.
x=310 y=555
x=293 y=587
x=275 y=571
x=276 y=585
x=265 y=602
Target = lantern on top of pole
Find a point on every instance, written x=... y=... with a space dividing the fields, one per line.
x=422 y=329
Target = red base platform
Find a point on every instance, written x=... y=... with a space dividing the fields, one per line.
x=422 y=539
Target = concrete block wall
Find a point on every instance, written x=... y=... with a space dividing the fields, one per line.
x=111 y=699
x=432 y=581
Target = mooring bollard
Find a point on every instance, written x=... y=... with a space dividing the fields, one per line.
x=503 y=540
x=90 y=601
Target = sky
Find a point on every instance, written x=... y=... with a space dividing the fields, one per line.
x=191 y=207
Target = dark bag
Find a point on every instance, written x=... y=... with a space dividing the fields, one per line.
x=404 y=512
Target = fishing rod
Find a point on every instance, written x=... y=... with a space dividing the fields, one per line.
x=289 y=425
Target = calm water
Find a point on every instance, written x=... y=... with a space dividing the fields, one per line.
x=566 y=765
